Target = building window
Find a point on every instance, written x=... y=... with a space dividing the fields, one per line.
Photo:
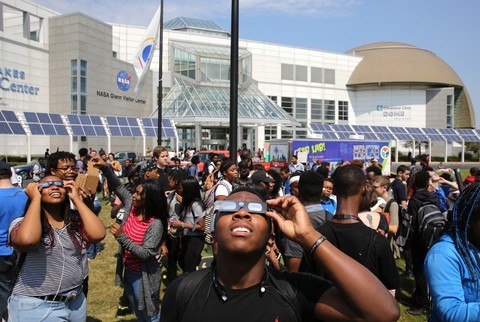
x=295 y=72
x=287 y=105
x=329 y=76
x=316 y=109
x=450 y=111
x=287 y=133
x=287 y=72
x=184 y=63
x=301 y=108
x=316 y=75
x=329 y=106
x=270 y=133
x=342 y=110
x=273 y=98
x=301 y=73
x=78 y=95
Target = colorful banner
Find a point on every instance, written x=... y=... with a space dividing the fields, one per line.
x=336 y=151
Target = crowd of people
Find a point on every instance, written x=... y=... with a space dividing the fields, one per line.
x=306 y=242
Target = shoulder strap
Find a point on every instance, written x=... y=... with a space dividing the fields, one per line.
x=187 y=288
x=286 y=291
x=387 y=206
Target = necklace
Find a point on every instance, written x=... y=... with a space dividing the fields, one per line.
x=345 y=217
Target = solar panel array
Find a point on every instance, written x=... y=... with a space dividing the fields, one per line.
x=151 y=128
x=39 y=123
x=373 y=132
x=45 y=123
x=9 y=123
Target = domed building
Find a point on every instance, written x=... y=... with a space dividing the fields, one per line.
x=408 y=84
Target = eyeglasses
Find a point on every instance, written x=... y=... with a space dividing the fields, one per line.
x=435 y=181
x=234 y=205
x=66 y=168
x=376 y=187
x=47 y=184
x=328 y=188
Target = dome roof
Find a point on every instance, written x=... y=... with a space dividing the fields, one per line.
x=399 y=63
x=393 y=62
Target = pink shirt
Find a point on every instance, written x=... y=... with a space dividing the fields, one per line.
x=135 y=229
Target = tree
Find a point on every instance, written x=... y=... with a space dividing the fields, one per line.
x=418 y=145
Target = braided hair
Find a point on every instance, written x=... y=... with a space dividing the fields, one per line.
x=466 y=207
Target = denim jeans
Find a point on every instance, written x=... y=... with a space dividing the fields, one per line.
x=94 y=249
x=132 y=284
x=26 y=308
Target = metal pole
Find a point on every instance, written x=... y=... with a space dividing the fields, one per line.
x=160 y=76
x=234 y=83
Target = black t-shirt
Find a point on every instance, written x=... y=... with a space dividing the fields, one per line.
x=399 y=191
x=245 y=305
x=366 y=246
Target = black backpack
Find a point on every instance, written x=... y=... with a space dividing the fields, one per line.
x=432 y=223
x=191 y=282
x=404 y=233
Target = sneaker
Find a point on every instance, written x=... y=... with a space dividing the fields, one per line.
x=417 y=311
x=122 y=311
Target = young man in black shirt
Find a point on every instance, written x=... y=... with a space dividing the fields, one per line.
x=240 y=288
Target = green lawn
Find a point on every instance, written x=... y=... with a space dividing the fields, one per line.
x=103 y=296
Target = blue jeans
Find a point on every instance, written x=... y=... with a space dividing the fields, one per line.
x=132 y=283
x=94 y=249
x=26 y=308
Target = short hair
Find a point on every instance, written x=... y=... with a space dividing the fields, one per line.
x=57 y=156
x=402 y=168
x=226 y=164
x=323 y=171
x=158 y=149
x=5 y=174
x=382 y=180
x=83 y=152
x=195 y=159
x=295 y=156
x=376 y=170
x=310 y=186
x=285 y=169
x=348 y=180
x=357 y=162
x=422 y=180
x=473 y=171
x=243 y=169
x=212 y=155
x=258 y=166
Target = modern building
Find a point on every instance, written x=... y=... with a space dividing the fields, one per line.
x=75 y=64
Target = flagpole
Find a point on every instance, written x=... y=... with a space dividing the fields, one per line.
x=160 y=76
x=234 y=83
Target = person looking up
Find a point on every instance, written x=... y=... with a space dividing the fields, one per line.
x=241 y=288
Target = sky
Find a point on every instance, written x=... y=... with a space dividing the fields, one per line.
x=447 y=28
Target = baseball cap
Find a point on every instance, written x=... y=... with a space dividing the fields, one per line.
x=4 y=165
x=261 y=176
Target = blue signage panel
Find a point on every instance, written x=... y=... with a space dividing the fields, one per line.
x=335 y=151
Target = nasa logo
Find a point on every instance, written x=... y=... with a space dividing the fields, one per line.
x=123 y=80
x=385 y=152
x=148 y=45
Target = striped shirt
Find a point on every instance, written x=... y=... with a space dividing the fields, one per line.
x=135 y=229
x=51 y=269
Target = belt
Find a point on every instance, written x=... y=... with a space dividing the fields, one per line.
x=60 y=298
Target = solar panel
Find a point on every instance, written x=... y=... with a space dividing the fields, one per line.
x=433 y=135
x=45 y=123
x=416 y=133
x=401 y=133
x=123 y=126
x=365 y=130
x=151 y=128
x=86 y=125
x=383 y=133
x=468 y=135
x=343 y=131
x=324 y=129
x=9 y=123
x=450 y=135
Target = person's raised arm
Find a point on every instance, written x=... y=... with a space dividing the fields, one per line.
x=25 y=236
x=92 y=225
x=353 y=282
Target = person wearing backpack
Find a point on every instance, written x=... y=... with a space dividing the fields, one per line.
x=241 y=288
x=452 y=266
x=421 y=197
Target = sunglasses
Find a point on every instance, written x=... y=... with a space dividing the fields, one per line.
x=47 y=184
x=235 y=205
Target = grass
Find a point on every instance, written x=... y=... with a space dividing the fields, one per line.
x=103 y=296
